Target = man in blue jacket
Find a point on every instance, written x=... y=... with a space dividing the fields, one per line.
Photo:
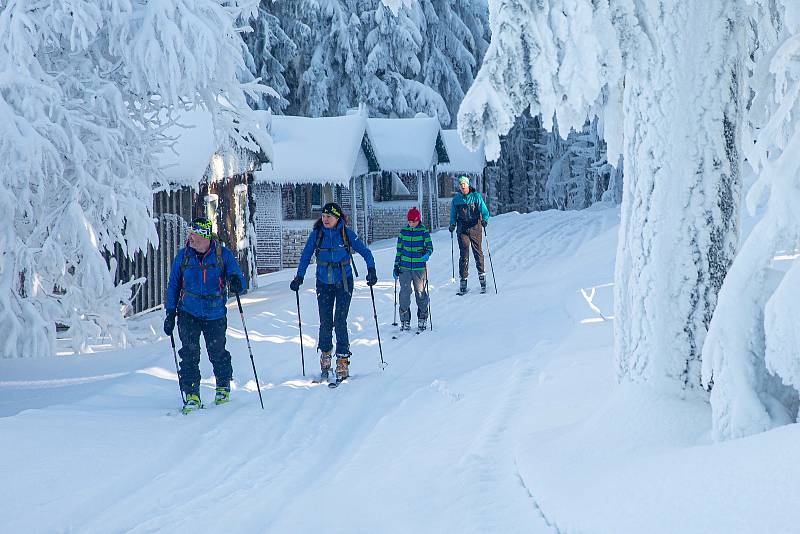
x=466 y=211
x=332 y=242
x=196 y=295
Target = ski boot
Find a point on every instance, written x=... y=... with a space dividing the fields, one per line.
x=191 y=404
x=222 y=395
x=422 y=324
x=463 y=288
x=324 y=366
x=482 y=279
x=405 y=325
x=342 y=369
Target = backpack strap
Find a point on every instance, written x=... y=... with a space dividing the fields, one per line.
x=223 y=293
x=349 y=250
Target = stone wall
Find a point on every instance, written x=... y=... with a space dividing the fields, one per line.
x=389 y=217
x=294 y=239
x=444 y=211
x=268 y=227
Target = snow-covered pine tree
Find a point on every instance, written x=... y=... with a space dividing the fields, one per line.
x=753 y=342
x=679 y=208
x=392 y=45
x=448 y=63
x=87 y=90
x=331 y=80
x=583 y=174
x=271 y=52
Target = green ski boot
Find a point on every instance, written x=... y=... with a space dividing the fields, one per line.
x=222 y=395
x=192 y=404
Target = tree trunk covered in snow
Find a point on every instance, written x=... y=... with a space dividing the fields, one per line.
x=754 y=340
x=682 y=186
x=675 y=119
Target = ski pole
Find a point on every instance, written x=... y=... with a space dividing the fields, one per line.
x=177 y=370
x=452 y=257
x=489 y=250
x=241 y=314
x=430 y=315
x=377 y=329
x=300 y=325
x=395 y=303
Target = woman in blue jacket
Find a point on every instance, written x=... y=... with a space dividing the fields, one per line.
x=332 y=242
x=196 y=295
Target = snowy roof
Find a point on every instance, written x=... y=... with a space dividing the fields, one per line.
x=462 y=159
x=317 y=150
x=193 y=147
x=407 y=144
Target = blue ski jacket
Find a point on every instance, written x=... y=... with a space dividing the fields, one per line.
x=331 y=253
x=197 y=285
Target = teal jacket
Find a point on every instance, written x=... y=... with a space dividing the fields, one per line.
x=467 y=210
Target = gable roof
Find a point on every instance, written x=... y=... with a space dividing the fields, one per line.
x=317 y=150
x=462 y=159
x=407 y=144
x=194 y=144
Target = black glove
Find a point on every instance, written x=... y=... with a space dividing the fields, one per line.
x=235 y=283
x=169 y=322
x=484 y=222
x=296 y=283
x=396 y=272
x=372 y=276
x=452 y=227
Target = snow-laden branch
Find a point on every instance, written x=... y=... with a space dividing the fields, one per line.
x=84 y=89
x=754 y=330
x=551 y=57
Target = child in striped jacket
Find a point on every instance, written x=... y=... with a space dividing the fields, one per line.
x=414 y=249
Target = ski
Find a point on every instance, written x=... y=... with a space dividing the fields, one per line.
x=180 y=411
x=335 y=383
x=323 y=377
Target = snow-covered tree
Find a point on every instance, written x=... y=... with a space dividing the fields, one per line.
x=392 y=45
x=331 y=81
x=447 y=54
x=754 y=331
x=675 y=119
x=86 y=89
x=271 y=53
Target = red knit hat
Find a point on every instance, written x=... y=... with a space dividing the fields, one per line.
x=413 y=215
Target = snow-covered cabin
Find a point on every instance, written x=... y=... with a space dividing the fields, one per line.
x=463 y=161
x=408 y=151
x=316 y=161
x=206 y=178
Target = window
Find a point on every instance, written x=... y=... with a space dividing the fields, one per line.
x=395 y=186
x=212 y=205
x=240 y=199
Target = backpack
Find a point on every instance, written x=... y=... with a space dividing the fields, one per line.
x=185 y=263
x=347 y=248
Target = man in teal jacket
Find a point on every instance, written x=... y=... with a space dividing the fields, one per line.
x=467 y=210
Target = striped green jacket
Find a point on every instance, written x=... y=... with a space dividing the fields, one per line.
x=414 y=247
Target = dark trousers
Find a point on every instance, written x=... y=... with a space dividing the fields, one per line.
x=189 y=330
x=334 y=305
x=470 y=237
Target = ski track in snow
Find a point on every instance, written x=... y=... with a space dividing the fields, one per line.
x=314 y=454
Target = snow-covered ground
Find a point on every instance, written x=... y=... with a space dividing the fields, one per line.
x=505 y=418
